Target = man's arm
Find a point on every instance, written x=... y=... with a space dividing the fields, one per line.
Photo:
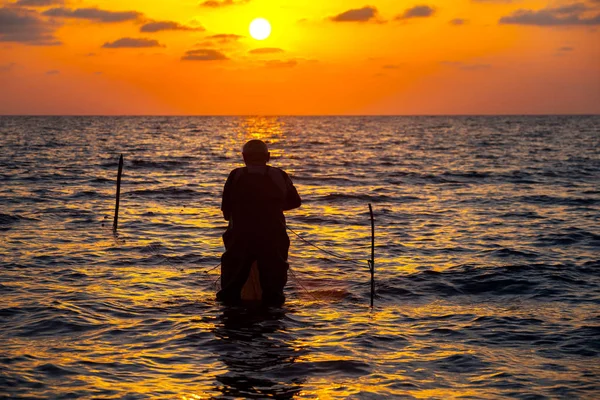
x=226 y=205
x=292 y=198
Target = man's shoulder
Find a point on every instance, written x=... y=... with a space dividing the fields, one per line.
x=235 y=171
x=276 y=171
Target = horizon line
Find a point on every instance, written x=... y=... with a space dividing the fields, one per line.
x=308 y=115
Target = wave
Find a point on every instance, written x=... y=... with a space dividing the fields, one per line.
x=461 y=363
x=342 y=180
x=415 y=177
x=169 y=192
x=568 y=236
x=561 y=201
x=506 y=252
x=7 y=221
x=54 y=371
x=551 y=282
x=521 y=214
x=468 y=174
x=57 y=325
x=89 y=194
x=333 y=197
x=167 y=165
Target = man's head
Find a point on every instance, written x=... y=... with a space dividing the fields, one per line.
x=255 y=152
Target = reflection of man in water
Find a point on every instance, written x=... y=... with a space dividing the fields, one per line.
x=254 y=199
x=260 y=353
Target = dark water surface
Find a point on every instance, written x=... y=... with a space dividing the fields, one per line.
x=488 y=259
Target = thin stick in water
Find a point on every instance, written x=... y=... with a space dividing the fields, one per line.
x=116 y=221
x=372 y=262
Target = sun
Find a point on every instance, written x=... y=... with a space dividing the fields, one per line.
x=260 y=29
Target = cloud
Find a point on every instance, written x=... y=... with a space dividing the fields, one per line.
x=364 y=14
x=567 y=15
x=8 y=67
x=157 y=26
x=281 y=63
x=25 y=26
x=204 y=55
x=422 y=11
x=466 y=66
x=127 y=42
x=39 y=3
x=223 y=3
x=392 y=66
x=458 y=21
x=93 y=14
x=266 y=50
x=224 y=38
x=571 y=8
x=53 y=72
x=564 y=50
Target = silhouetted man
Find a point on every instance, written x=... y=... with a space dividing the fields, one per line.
x=254 y=199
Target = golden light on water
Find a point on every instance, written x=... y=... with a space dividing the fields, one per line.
x=145 y=309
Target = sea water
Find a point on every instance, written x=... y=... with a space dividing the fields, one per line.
x=487 y=259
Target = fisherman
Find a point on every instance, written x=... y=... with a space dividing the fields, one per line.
x=254 y=199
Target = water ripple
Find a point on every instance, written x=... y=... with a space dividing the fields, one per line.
x=487 y=270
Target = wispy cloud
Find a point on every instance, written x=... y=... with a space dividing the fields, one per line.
x=224 y=38
x=365 y=14
x=127 y=42
x=204 y=55
x=222 y=3
x=39 y=3
x=568 y=15
x=422 y=11
x=20 y=25
x=53 y=72
x=564 y=50
x=458 y=21
x=93 y=14
x=266 y=50
x=157 y=26
x=281 y=63
x=495 y=1
x=8 y=67
x=466 y=66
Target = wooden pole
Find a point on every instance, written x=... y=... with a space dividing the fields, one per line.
x=372 y=263
x=116 y=222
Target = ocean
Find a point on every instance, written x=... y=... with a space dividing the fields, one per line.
x=487 y=259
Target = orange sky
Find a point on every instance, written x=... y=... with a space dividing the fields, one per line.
x=323 y=57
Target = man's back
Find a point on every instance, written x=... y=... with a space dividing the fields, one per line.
x=254 y=199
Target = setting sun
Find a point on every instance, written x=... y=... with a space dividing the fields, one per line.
x=260 y=29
